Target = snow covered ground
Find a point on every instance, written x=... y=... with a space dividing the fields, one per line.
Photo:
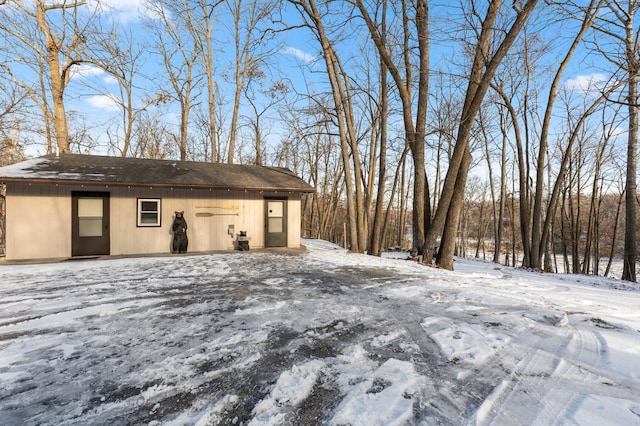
x=318 y=337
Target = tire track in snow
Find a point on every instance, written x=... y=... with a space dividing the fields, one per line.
x=447 y=400
x=547 y=381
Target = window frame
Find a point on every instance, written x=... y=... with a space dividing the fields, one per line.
x=139 y=212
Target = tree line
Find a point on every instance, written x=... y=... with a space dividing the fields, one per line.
x=507 y=128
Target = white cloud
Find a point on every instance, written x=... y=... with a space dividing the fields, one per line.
x=79 y=71
x=109 y=79
x=587 y=84
x=618 y=131
x=104 y=102
x=299 y=54
x=124 y=11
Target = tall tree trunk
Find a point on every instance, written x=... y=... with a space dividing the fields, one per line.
x=447 y=245
x=522 y=163
x=573 y=219
x=398 y=180
x=494 y=201
x=233 y=129
x=184 y=123
x=565 y=233
x=58 y=74
x=378 y=215
x=346 y=107
x=213 y=139
x=208 y=56
x=614 y=238
x=404 y=195
x=630 y=231
x=591 y=250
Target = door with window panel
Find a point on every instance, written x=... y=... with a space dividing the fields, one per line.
x=90 y=223
x=276 y=223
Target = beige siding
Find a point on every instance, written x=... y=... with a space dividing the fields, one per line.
x=39 y=219
x=205 y=233
x=38 y=222
x=294 y=220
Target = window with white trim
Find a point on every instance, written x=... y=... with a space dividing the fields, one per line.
x=149 y=211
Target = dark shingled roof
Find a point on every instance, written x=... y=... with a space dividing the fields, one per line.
x=73 y=169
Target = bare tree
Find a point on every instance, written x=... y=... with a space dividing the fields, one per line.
x=603 y=153
x=382 y=118
x=486 y=62
x=261 y=100
x=12 y=112
x=151 y=137
x=178 y=50
x=402 y=74
x=342 y=109
x=614 y=233
x=202 y=15
x=50 y=38
x=516 y=101
x=123 y=59
x=619 y=27
x=538 y=242
x=498 y=201
x=248 y=40
x=443 y=121
x=311 y=145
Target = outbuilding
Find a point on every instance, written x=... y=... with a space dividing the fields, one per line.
x=72 y=205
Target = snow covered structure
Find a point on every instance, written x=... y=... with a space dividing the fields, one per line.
x=84 y=205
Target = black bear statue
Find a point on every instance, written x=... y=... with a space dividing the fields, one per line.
x=180 y=241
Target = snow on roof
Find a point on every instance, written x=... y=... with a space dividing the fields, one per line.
x=119 y=171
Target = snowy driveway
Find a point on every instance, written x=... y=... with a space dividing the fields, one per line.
x=320 y=337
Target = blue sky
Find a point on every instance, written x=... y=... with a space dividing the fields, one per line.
x=297 y=49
